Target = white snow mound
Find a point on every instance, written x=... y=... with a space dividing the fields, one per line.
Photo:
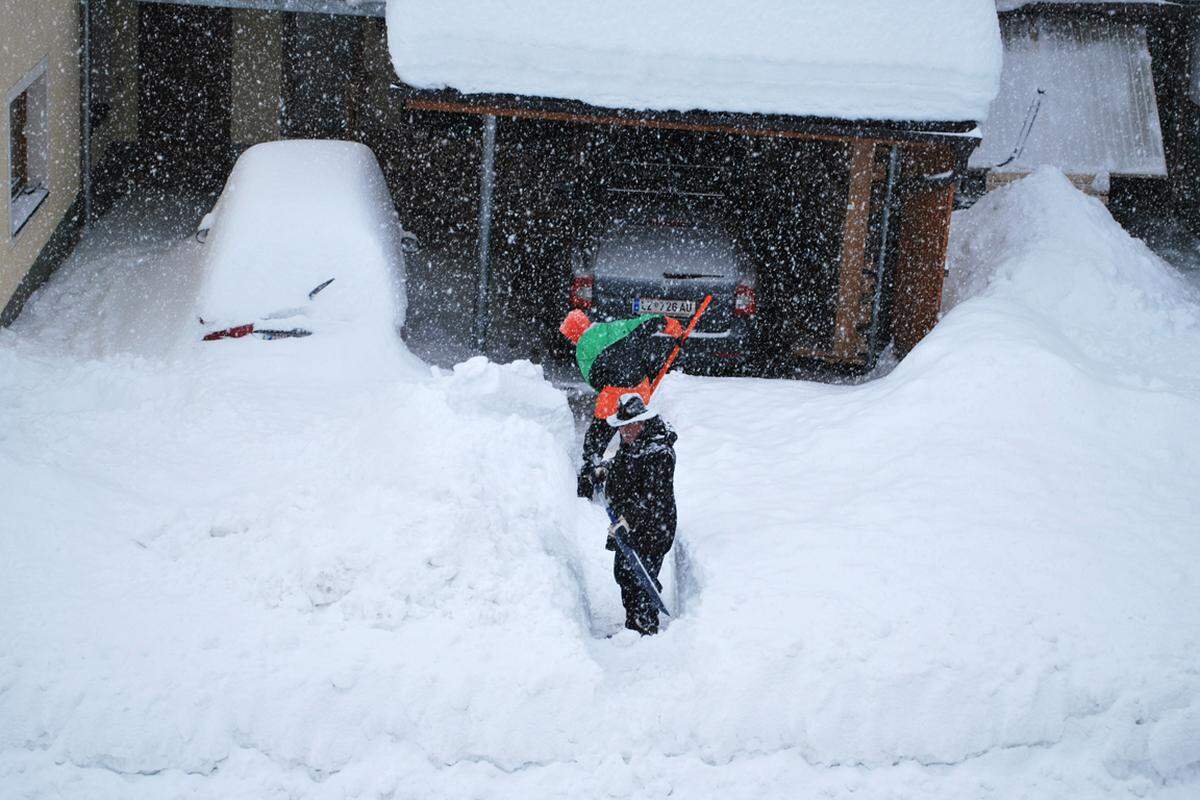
x=983 y=563
x=273 y=569
x=919 y=60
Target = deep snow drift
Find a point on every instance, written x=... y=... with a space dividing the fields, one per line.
x=919 y=60
x=229 y=575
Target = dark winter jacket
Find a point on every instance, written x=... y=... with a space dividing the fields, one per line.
x=641 y=485
x=624 y=352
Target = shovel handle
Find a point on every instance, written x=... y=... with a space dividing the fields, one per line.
x=666 y=367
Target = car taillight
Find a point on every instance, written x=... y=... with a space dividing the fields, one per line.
x=744 y=303
x=582 y=288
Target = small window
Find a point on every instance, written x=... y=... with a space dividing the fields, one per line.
x=28 y=147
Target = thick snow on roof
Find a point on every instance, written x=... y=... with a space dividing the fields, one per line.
x=921 y=60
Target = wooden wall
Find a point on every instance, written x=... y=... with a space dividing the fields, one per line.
x=924 y=237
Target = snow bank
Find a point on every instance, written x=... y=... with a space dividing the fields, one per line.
x=130 y=287
x=985 y=564
x=975 y=577
x=1105 y=302
x=283 y=574
x=865 y=59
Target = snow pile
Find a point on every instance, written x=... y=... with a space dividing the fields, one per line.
x=237 y=570
x=985 y=565
x=864 y=59
x=236 y=576
x=130 y=286
x=1105 y=302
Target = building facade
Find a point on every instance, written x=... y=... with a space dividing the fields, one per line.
x=40 y=211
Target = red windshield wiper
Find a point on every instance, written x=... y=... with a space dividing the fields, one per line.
x=239 y=331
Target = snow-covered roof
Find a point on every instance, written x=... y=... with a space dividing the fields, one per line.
x=1097 y=111
x=918 y=60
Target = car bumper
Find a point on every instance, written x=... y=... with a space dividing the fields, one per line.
x=731 y=346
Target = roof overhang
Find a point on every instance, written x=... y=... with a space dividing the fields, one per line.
x=961 y=133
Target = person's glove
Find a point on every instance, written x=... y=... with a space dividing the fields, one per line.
x=672 y=327
x=583 y=487
x=599 y=475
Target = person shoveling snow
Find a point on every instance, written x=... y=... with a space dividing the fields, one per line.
x=618 y=358
x=639 y=485
x=615 y=358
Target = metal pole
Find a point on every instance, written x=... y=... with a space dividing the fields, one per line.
x=85 y=115
x=885 y=225
x=1195 y=87
x=487 y=188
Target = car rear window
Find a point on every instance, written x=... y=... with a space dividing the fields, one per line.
x=655 y=252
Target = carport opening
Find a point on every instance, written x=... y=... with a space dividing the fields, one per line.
x=783 y=201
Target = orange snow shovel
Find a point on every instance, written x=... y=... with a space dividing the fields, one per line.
x=666 y=367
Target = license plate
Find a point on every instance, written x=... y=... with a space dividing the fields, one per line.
x=673 y=308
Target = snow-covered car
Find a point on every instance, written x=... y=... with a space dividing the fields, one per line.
x=303 y=240
x=668 y=268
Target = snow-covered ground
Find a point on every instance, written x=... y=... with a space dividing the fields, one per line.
x=126 y=286
x=235 y=573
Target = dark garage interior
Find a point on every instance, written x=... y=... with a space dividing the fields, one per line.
x=782 y=201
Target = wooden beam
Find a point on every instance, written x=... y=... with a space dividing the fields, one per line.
x=853 y=308
x=826 y=355
x=648 y=120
